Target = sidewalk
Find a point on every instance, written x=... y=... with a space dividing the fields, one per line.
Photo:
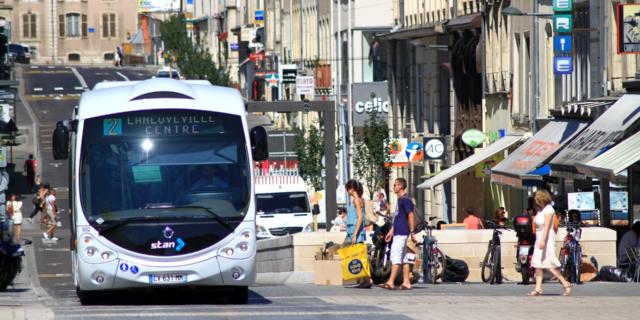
x=25 y=299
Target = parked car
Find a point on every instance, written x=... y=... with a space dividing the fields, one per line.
x=19 y=53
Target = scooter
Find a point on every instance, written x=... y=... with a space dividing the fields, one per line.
x=523 y=226
x=379 y=255
x=10 y=255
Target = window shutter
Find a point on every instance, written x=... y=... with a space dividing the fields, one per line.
x=105 y=25
x=112 y=25
x=34 y=26
x=84 y=25
x=25 y=25
x=61 y=25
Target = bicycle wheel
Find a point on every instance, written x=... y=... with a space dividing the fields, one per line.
x=438 y=265
x=496 y=273
x=485 y=267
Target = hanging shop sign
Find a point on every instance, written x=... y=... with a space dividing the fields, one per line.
x=397 y=155
x=628 y=28
x=473 y=138
x=434 y=148
x=289 y=73
x=414 y=151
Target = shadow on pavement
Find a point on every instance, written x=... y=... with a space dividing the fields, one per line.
x=171 y=296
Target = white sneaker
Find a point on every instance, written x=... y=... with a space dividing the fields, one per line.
x=30 y=220
x=46 y=236
x=54 y=239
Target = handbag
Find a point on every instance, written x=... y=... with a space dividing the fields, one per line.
x=354 y=262
x=411 y=245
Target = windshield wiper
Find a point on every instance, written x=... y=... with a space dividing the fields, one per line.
x=120 y=223
x=211 y=212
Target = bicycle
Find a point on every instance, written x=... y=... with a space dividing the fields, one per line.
x=571 y=254
x=434 y=261
x=491 y=266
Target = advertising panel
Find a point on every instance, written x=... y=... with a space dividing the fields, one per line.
x=629 y=28
x=158 y=5
x=370 y=97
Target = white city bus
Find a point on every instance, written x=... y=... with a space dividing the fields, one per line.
x=162 y=189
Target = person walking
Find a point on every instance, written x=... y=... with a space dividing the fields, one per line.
x=402 y=230
x=30 y=166
x=14 y=208
x=38 y=201
x=544 y=252
x=355 y=221
x=51 y=212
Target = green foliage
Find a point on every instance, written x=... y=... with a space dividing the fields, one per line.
x=193 y=61
x=309 y=147
x=371 y=152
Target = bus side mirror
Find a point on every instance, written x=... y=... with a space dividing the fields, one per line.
x=259 y=147
x=60 y=142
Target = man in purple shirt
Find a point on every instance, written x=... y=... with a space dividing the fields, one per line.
x=403 y=229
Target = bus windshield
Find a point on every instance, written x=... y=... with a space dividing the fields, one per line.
x=164 y=164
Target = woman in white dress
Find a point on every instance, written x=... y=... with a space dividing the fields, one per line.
x=15 y=209
x=544 y=252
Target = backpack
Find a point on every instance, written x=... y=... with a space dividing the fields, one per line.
x=370 y=216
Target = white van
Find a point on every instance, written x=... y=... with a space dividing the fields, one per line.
x=282 y=206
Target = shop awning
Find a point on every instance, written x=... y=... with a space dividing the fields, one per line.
x=614 y=161
x=469 y=162
x=606 y=130
x=522 y=163
x=470 y=21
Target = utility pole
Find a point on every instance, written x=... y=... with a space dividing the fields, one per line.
x=535 y=75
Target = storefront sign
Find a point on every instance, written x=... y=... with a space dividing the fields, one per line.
x=158 y=6
x=289 y=73
x=414 y=151
x=305 y=85
x=368 y=98
x=628 y=28
x=434 y=148
x=397 y=155
x=473 y=138
x=562 y=5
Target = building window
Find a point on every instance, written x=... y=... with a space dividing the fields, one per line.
x=109 y=56
x=108 y=25
x=73 y=57
x=72 y=25
x=29 y=26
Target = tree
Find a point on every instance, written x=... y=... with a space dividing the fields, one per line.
x=371 y=152
x=193 y=61
x=309 y=148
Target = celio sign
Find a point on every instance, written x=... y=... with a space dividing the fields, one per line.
x=369 y=106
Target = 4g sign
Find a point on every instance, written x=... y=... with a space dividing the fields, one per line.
x=434 y=148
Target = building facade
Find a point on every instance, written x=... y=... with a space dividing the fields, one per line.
x=70 y=31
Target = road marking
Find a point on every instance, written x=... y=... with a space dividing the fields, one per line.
x=35 y=67
x=79 y=88
x=58 y=88
x=80 y=78
x=52 y=97
x=53 y=264
x=55 y=164
x=51 y=67
x=122 y=75
x=37 y=89
x=54 y=275
x=181 y=314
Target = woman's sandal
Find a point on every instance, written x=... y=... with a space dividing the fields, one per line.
x=567 y=290
x=535 y=293
x=385 y=286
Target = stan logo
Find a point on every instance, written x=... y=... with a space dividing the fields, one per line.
x=355 y=266
x=169 y=245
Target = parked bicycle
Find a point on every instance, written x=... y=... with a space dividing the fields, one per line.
x=434 y=261
x=491 y=267
x=571 y=254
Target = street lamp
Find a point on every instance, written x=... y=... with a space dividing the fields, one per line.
x=512 y=11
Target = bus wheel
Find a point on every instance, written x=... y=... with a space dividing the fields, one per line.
x=87 y=297
x=239 y=295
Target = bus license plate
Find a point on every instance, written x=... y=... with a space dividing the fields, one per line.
x=167 y=278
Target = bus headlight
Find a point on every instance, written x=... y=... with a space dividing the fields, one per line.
x=92 y=251
x=241 y=247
